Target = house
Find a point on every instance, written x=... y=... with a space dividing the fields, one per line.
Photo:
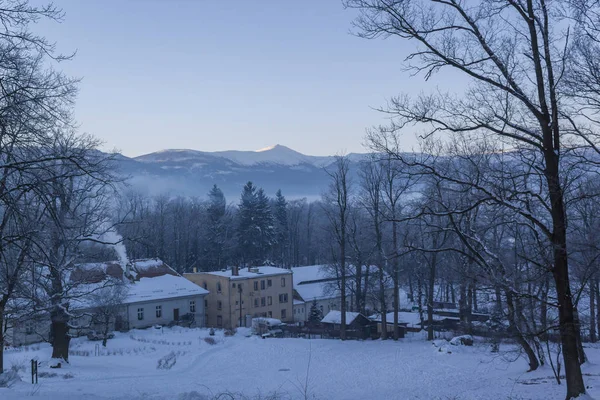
x=239 y=294
x=357 y=325
x=407 y=322
x=154 y=294
x=316 y=283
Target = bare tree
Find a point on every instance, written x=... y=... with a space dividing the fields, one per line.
x=514 y=53
x=107 y=305
x=337 y=207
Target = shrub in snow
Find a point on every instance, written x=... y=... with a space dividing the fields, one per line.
x=210 y=340
x=439 y=342
x=68 y=376
x=229 y=332
x=9 y=378
x=167 y=362
x=193 y=396
x=45 y=374
x=464 y=340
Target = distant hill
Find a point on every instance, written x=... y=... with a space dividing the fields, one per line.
x=192 y=173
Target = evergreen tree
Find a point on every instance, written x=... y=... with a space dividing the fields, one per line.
x=214 y=253
x=282 y=230
x=315 y=313
x=265 y=226
x=247 y=229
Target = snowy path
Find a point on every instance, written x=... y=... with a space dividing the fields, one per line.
x=409 y=369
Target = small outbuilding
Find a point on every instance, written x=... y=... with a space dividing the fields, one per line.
x=357 y=325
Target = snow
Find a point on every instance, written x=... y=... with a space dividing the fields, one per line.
x=163 y=287
x=245 y=274
x=408 y=369
x=335 y=317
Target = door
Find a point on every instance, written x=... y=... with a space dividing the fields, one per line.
x=176 y=314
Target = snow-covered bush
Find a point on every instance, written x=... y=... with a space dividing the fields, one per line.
x=9 y=378
x=210 y=340
x=464 y=340
x=167 y=362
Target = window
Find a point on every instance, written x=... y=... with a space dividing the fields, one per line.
x=269 y=283
x=205 y=303
x=219 y=321
x=262 y=285
x=218 y=287
x=321 y=307
x=233 y=285
x=262 y=302
x=270 y=314
x=192 y=306
x=255 y=285
x=219 y=305
x=237 y=303
x=283 y=298
x=158 y=311
x=256 y=302
x=282 y=282
x=140 y=314
x=269 y=300
x=29 y=328
x=283 y=313
x=205 y=285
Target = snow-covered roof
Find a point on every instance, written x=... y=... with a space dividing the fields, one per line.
x=243 y=273
x=318 y=282
x=411 y=318
x=162 y=287
x=335 y=317
x=298 y=302
x=310 y=273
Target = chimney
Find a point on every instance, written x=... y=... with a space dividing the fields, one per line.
x=235 y=271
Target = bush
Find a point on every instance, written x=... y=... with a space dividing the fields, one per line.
x=210 y=340
x=464 y=340
x=9 y=378
x=68 y=375
x=167 y=362
x=45 y=374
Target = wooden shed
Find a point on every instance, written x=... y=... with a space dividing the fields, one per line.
x=357 y=325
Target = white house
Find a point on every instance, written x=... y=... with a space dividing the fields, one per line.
x=155 y=294
x=316 y=283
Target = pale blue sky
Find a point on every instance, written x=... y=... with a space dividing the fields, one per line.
x=219 y=75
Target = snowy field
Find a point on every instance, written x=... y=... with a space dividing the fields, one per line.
x=409 y=369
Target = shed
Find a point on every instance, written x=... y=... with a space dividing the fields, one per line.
x=357 y=325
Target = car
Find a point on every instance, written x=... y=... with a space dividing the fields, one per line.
x=95 y=335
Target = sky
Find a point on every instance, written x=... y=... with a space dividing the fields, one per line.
x=220 y=75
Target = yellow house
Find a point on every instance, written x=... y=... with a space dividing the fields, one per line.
x=238 y=294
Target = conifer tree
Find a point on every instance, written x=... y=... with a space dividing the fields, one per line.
x=216 y=230
x=282 y=230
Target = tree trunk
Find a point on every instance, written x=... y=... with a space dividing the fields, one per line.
x=1 y=341
x=383 y=307
x=396 y=278
x=597 y=290
x=514 y=328
x=430 y=293
x=60 y=339
x=592 y=311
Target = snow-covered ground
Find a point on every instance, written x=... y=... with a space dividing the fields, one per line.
x=409 y=369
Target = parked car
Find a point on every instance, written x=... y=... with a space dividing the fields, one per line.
x=95 y=335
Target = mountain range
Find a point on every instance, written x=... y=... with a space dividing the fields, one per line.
x=184 y=172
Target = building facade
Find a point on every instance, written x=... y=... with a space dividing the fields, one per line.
x=237 y=295
x=156 y=295
x=316 y=284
